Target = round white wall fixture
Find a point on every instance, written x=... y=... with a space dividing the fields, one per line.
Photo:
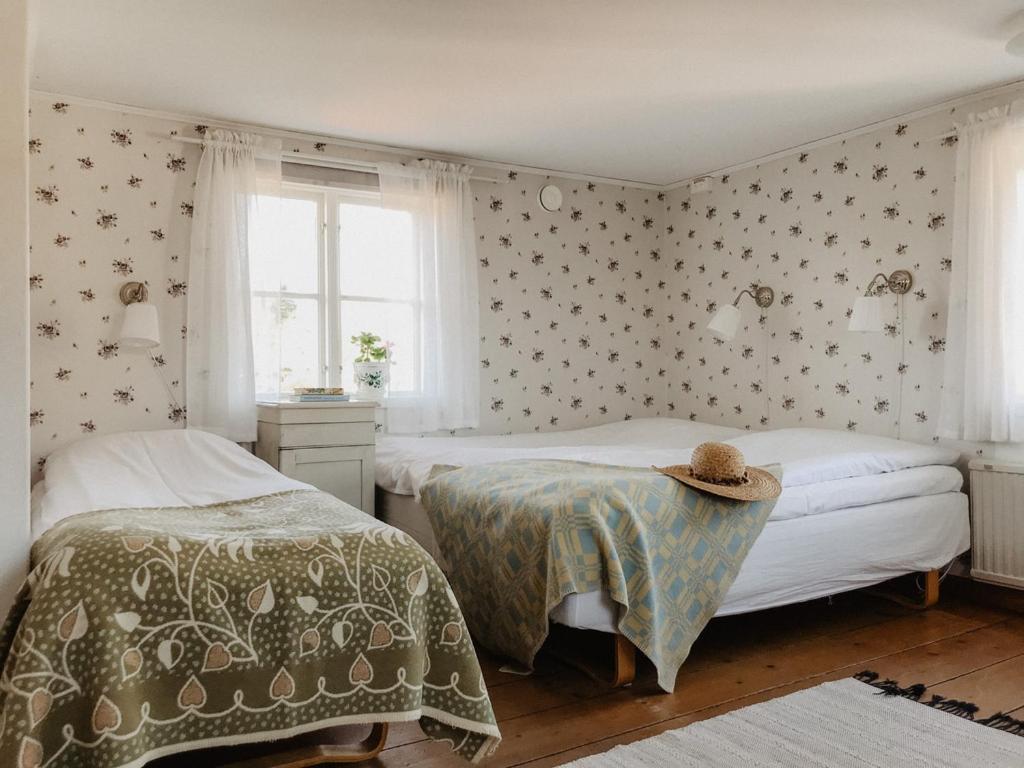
x=550 y=198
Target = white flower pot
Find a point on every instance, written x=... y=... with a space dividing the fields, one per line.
x=371 y=380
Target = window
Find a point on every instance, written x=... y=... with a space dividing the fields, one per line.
x=327 y=264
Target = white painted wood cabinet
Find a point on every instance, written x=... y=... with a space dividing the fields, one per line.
x=328 y=445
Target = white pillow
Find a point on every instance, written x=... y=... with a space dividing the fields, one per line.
x=160 y=468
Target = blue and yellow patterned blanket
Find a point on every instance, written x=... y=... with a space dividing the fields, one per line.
x=521 y=535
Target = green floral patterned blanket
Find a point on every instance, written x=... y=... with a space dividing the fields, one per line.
x=521 y=535
x=146 y=632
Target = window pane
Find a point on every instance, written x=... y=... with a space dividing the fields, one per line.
x=376 y=247
x=392 y=322
x=283 y=242
x=287 y=338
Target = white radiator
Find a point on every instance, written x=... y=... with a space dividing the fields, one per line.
x=997 y=522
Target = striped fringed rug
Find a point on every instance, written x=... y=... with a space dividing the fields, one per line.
x=851 y=723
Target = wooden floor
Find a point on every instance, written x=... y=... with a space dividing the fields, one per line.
x=970 y=646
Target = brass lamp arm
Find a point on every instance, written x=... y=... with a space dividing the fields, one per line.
x=899 y=282
x=762 y=295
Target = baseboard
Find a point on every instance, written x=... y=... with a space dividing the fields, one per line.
x=1000 y=579
x=985 y=593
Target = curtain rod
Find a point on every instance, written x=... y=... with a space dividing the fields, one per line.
x=344 y=163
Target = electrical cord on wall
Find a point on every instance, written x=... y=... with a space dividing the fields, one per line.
x=167 y=387
x=900 y=370
x=764 y=379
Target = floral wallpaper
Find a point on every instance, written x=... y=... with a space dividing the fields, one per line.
x=816 y=227
x=593 y=313
x=571 y=305
x=112 y=202
x=570 y=301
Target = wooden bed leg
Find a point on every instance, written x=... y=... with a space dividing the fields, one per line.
x=625 y=662
x=322 y=754
x=931 y=588
x=930 y=597
x=369 y=748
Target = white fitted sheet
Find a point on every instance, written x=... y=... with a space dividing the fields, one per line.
x=792 y=560
x=402 y=463
x=158 y=468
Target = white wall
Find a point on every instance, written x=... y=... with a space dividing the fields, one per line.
x=14 y=438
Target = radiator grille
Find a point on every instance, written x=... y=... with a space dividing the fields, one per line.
x=997 y=525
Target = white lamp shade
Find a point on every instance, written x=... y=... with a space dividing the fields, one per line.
x=726 y=322
x=867 y=315
x=141 y=326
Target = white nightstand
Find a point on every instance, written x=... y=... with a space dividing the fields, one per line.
x=329 y=445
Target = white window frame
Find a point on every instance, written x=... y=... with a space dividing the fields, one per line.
x=308 y=192
x=368 y=198
x=329 y=297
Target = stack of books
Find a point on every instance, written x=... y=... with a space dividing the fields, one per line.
x=319 y=395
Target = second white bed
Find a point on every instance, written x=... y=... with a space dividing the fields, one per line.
x=856 y=509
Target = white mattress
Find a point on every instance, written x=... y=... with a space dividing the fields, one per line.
x=793 y=560
x=402 y=463
x=822 y=470
x=844 y=493
x=157 y=468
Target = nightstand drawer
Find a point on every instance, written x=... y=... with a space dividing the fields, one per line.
x=303 y=435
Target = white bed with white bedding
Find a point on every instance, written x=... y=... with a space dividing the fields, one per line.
x=855 y=510
x=191 y=566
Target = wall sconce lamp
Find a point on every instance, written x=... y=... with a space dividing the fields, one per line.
x=867 y=309
x=140 y=328
x=726 y=321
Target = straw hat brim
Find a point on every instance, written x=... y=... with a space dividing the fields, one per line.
x=759 y=485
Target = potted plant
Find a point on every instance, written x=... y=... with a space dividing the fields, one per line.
x=370 y=368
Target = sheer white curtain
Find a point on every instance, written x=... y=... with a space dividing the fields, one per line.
x=983 y=391
x=438 y=197
x=219 y=386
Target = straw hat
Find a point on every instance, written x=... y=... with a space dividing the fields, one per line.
x=720 y=469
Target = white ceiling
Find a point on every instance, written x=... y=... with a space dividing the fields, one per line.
x=639 y=90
